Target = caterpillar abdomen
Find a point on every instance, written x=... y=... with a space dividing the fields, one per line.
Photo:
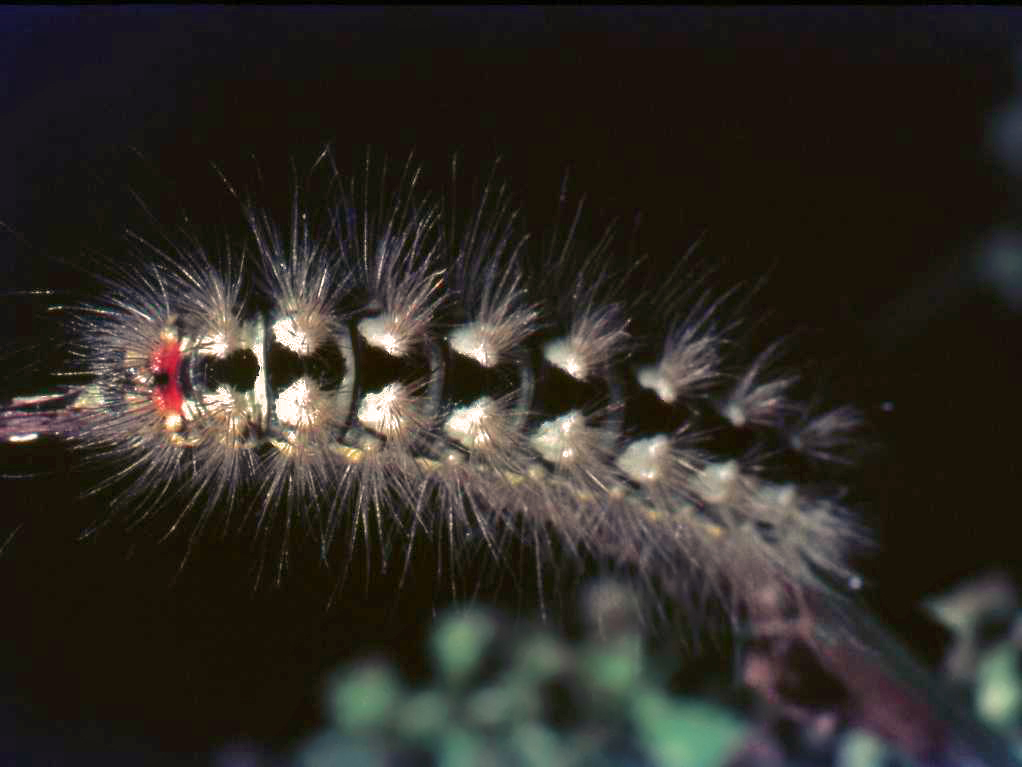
x=387 y=360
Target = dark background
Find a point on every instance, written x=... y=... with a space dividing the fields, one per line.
x=842 y=152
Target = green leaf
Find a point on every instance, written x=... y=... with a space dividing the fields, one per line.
x=460 y=642
x=685 y=733
x=364 y=698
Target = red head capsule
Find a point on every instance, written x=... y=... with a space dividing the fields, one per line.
x=165 y=364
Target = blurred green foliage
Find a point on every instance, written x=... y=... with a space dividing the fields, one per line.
x=985 y=658
x=503 y=695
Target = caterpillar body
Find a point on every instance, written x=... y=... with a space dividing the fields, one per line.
x=384 y=363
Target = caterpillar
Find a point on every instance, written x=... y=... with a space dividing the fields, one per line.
x=381 y=363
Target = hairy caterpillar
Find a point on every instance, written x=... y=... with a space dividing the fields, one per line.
x=381 y=363
x=386 y=361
